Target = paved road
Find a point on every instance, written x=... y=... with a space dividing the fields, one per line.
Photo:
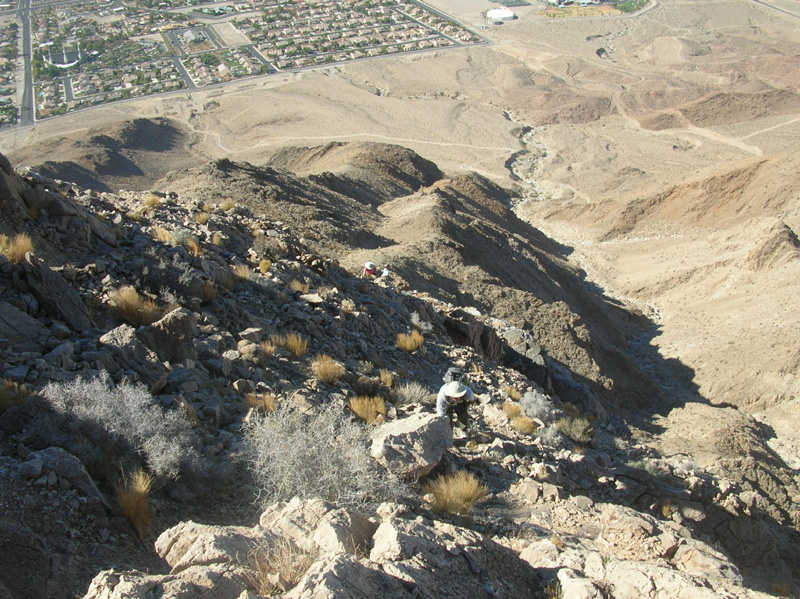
x=27 y=116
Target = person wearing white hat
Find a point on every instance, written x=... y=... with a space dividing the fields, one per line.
x=453 y=399
x=369 y=270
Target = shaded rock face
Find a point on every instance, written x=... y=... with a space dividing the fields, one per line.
x=22 y=551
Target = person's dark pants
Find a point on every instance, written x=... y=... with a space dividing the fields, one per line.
x=460 y=410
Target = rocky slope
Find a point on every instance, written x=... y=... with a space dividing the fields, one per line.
x=607 y=516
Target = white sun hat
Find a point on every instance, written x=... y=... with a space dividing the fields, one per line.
x=455 y=389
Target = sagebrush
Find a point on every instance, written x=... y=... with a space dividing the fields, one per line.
x=537 y=405
x=412 y=392
x=323 y=454
x=123 y=423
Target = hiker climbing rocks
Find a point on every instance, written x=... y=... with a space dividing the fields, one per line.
x=453 y=398
x=369 y=271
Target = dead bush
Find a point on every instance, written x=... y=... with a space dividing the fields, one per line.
x=132 y=307
x=264 y=403
x=275 y=568
x=326 y=369
x=17 y=247
x=12 y=394
x=410 y=342
x=512 y=409
x=132 y=493
x=368 y=408
x=298 y=286
x=523 y=424
x=579 y=430
x=241 y=271
x=295 y=343
x=456 y=493
x=412 y=393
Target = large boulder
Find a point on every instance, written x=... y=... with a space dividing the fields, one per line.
x=23 y=333
x=133 y=355
x=466 y=329
x=208 y=582
x=340 y=576
x=411 y=447
x=56 y=296
x=171 y=336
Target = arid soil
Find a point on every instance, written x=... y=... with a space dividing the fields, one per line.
x=660 y=148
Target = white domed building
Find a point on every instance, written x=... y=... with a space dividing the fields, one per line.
x=500 y=14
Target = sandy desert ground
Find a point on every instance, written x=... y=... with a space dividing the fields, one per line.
x=662 y=146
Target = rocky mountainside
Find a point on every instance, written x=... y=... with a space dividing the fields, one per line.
x=184 y=331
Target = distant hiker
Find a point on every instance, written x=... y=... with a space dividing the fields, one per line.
x=453 y=398
x=385 y=271
x=369 y=271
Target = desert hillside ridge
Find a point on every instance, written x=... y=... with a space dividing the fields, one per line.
x=189 y=383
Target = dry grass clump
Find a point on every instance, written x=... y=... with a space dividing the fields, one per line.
x=264 y=266
x=162 y=235
x=523 y=424
x=217 y=239
x=193 y=247
x=207 y=292
x=265 y=403
x=133 y=498
x=513 y=393
x=298 y=286
x=295 y=343
x=151 y=200
x=386 y=377
x=512 y=409
x=132 y=307
x=12 y=394
x=266 y=349
x=227 y=205
x=410 y=342
x=274 y=569
x=241 y=271
x=207 y=208
x=456 y=493
x=579 y=430
x=368 y=408
x=413 y=392
x=201 y=218
x=15 y=248
x=326 y=369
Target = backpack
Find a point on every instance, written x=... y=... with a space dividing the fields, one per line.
x=453 y=374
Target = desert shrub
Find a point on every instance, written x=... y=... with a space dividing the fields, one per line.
x=512 y=392
x=579 y=430
x=201 y=218
x=386 y=377
x=348 y=306
x=241 y=271
x=262 y=402
x=217 y=239
x=413 y=392
x=319 y=455
x=537 y=405
x=16 y=247
x=124 y=424
x=207 y=208
x=551 y=436
x=132 y=307
x=264 y=266
x=132 y=493
x=162 y=235
x=410 y=342
x=512 y=409
x=193 y=247
x=368 y=408
x=456 y=493
x=295 y=343
x=298 y=286
x=227 y=205
x=275 y=568
x=523 y=424
x=151 y=200
x=12 y=394
x=174 y=273
x=326 y=369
